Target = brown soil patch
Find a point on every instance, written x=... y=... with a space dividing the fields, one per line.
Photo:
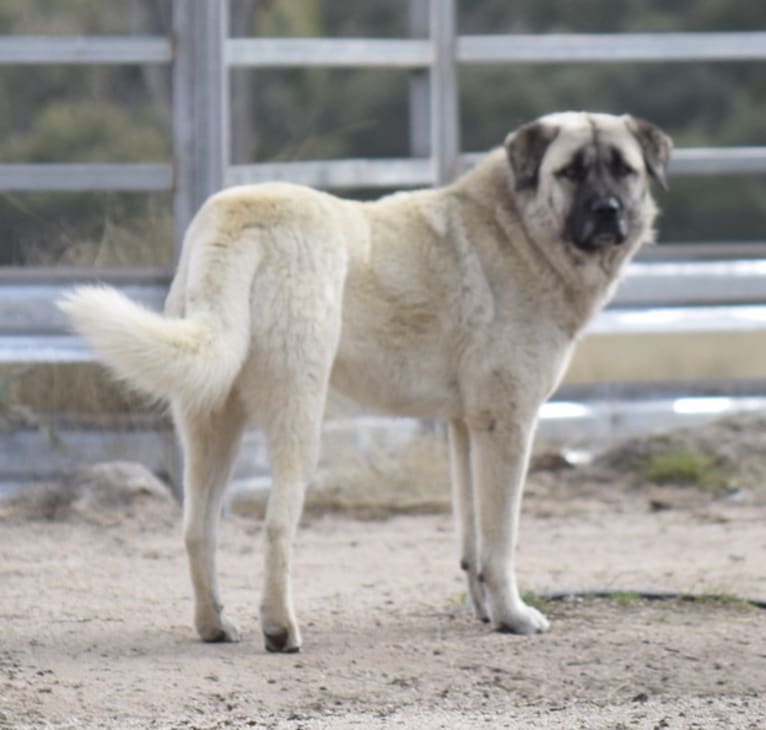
x=95 y=607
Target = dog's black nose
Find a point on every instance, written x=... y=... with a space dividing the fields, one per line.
x=607 y=206
x=607 y=219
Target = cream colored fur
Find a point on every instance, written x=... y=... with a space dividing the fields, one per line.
x=461 y=303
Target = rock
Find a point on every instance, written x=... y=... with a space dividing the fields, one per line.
x=106 y=493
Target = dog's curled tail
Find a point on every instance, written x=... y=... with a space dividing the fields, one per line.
x=194 y=359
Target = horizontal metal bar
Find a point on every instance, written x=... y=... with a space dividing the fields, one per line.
x=338 y=52
x=702 y=251
x=718 y=161
x=86 y=176
x=85 y=50
x=406 y=53
x=29 y=308
x=346 y=173
x=43 y=349
x=322 y=173
x=692 y=283
x=692 y=161
x=675 y=320
x=589 y=47
x=27 y=305
x=30 y=454
x=67 y=275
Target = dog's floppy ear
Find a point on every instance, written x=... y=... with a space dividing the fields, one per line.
x=656 y=146
x=526 y=148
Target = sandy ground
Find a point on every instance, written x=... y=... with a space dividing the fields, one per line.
x=96 y=632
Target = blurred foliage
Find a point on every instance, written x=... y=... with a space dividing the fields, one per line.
x=83 y=113
x=89 y=131
x=86 y=229
x=75 y=17
x=330 y=18
x=606 y=16
x=338 y=118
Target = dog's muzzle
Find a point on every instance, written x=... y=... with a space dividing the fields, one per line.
x=602 y=223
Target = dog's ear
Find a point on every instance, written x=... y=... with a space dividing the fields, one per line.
x=526 y=148
x=656 y=146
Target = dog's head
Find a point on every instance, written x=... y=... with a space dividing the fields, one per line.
x=584 y=178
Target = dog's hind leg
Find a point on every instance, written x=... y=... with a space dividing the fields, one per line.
x=210 y=442
x=297 y=395
x=293 y=444
x=297 y=316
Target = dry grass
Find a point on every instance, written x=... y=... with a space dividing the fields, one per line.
x=84 y=391
x=685 y=467
x=721 y=457
x=121 y=240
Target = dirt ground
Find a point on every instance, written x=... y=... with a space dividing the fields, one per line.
x=96 y=614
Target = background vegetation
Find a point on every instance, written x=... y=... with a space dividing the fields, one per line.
x=79 y=114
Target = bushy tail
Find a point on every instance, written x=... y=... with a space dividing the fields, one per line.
x=194 y=359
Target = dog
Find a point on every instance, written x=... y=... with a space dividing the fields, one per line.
x=461 y=303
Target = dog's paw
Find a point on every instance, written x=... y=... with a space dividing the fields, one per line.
x=280 y=628
x=219 y=630
x=480 y=611
x=478 y=599
x=524 y=620
x=281 y=641
x=279 y=638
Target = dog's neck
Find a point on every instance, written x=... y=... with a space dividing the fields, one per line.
x=585 y=281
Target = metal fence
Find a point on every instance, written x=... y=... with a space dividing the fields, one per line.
x=201 y=54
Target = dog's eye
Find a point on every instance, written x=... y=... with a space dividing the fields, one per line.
x=574 y=171
x=620 y=168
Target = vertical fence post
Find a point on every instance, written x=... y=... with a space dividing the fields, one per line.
x=200 y=106
x=445 y=120
x=420 y=95
x=200 y=128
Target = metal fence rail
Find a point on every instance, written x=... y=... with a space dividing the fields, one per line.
x=695 y=313
x=201 y=54
x=37 y=50
x=76 y=177
x=612 y=48
x=329 y=52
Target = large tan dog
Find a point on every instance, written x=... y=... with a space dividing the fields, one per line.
x=461 y=303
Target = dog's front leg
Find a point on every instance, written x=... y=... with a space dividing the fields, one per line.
x=463 y=505
x=499 y=448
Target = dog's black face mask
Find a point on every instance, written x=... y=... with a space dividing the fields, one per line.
x=597 y=217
